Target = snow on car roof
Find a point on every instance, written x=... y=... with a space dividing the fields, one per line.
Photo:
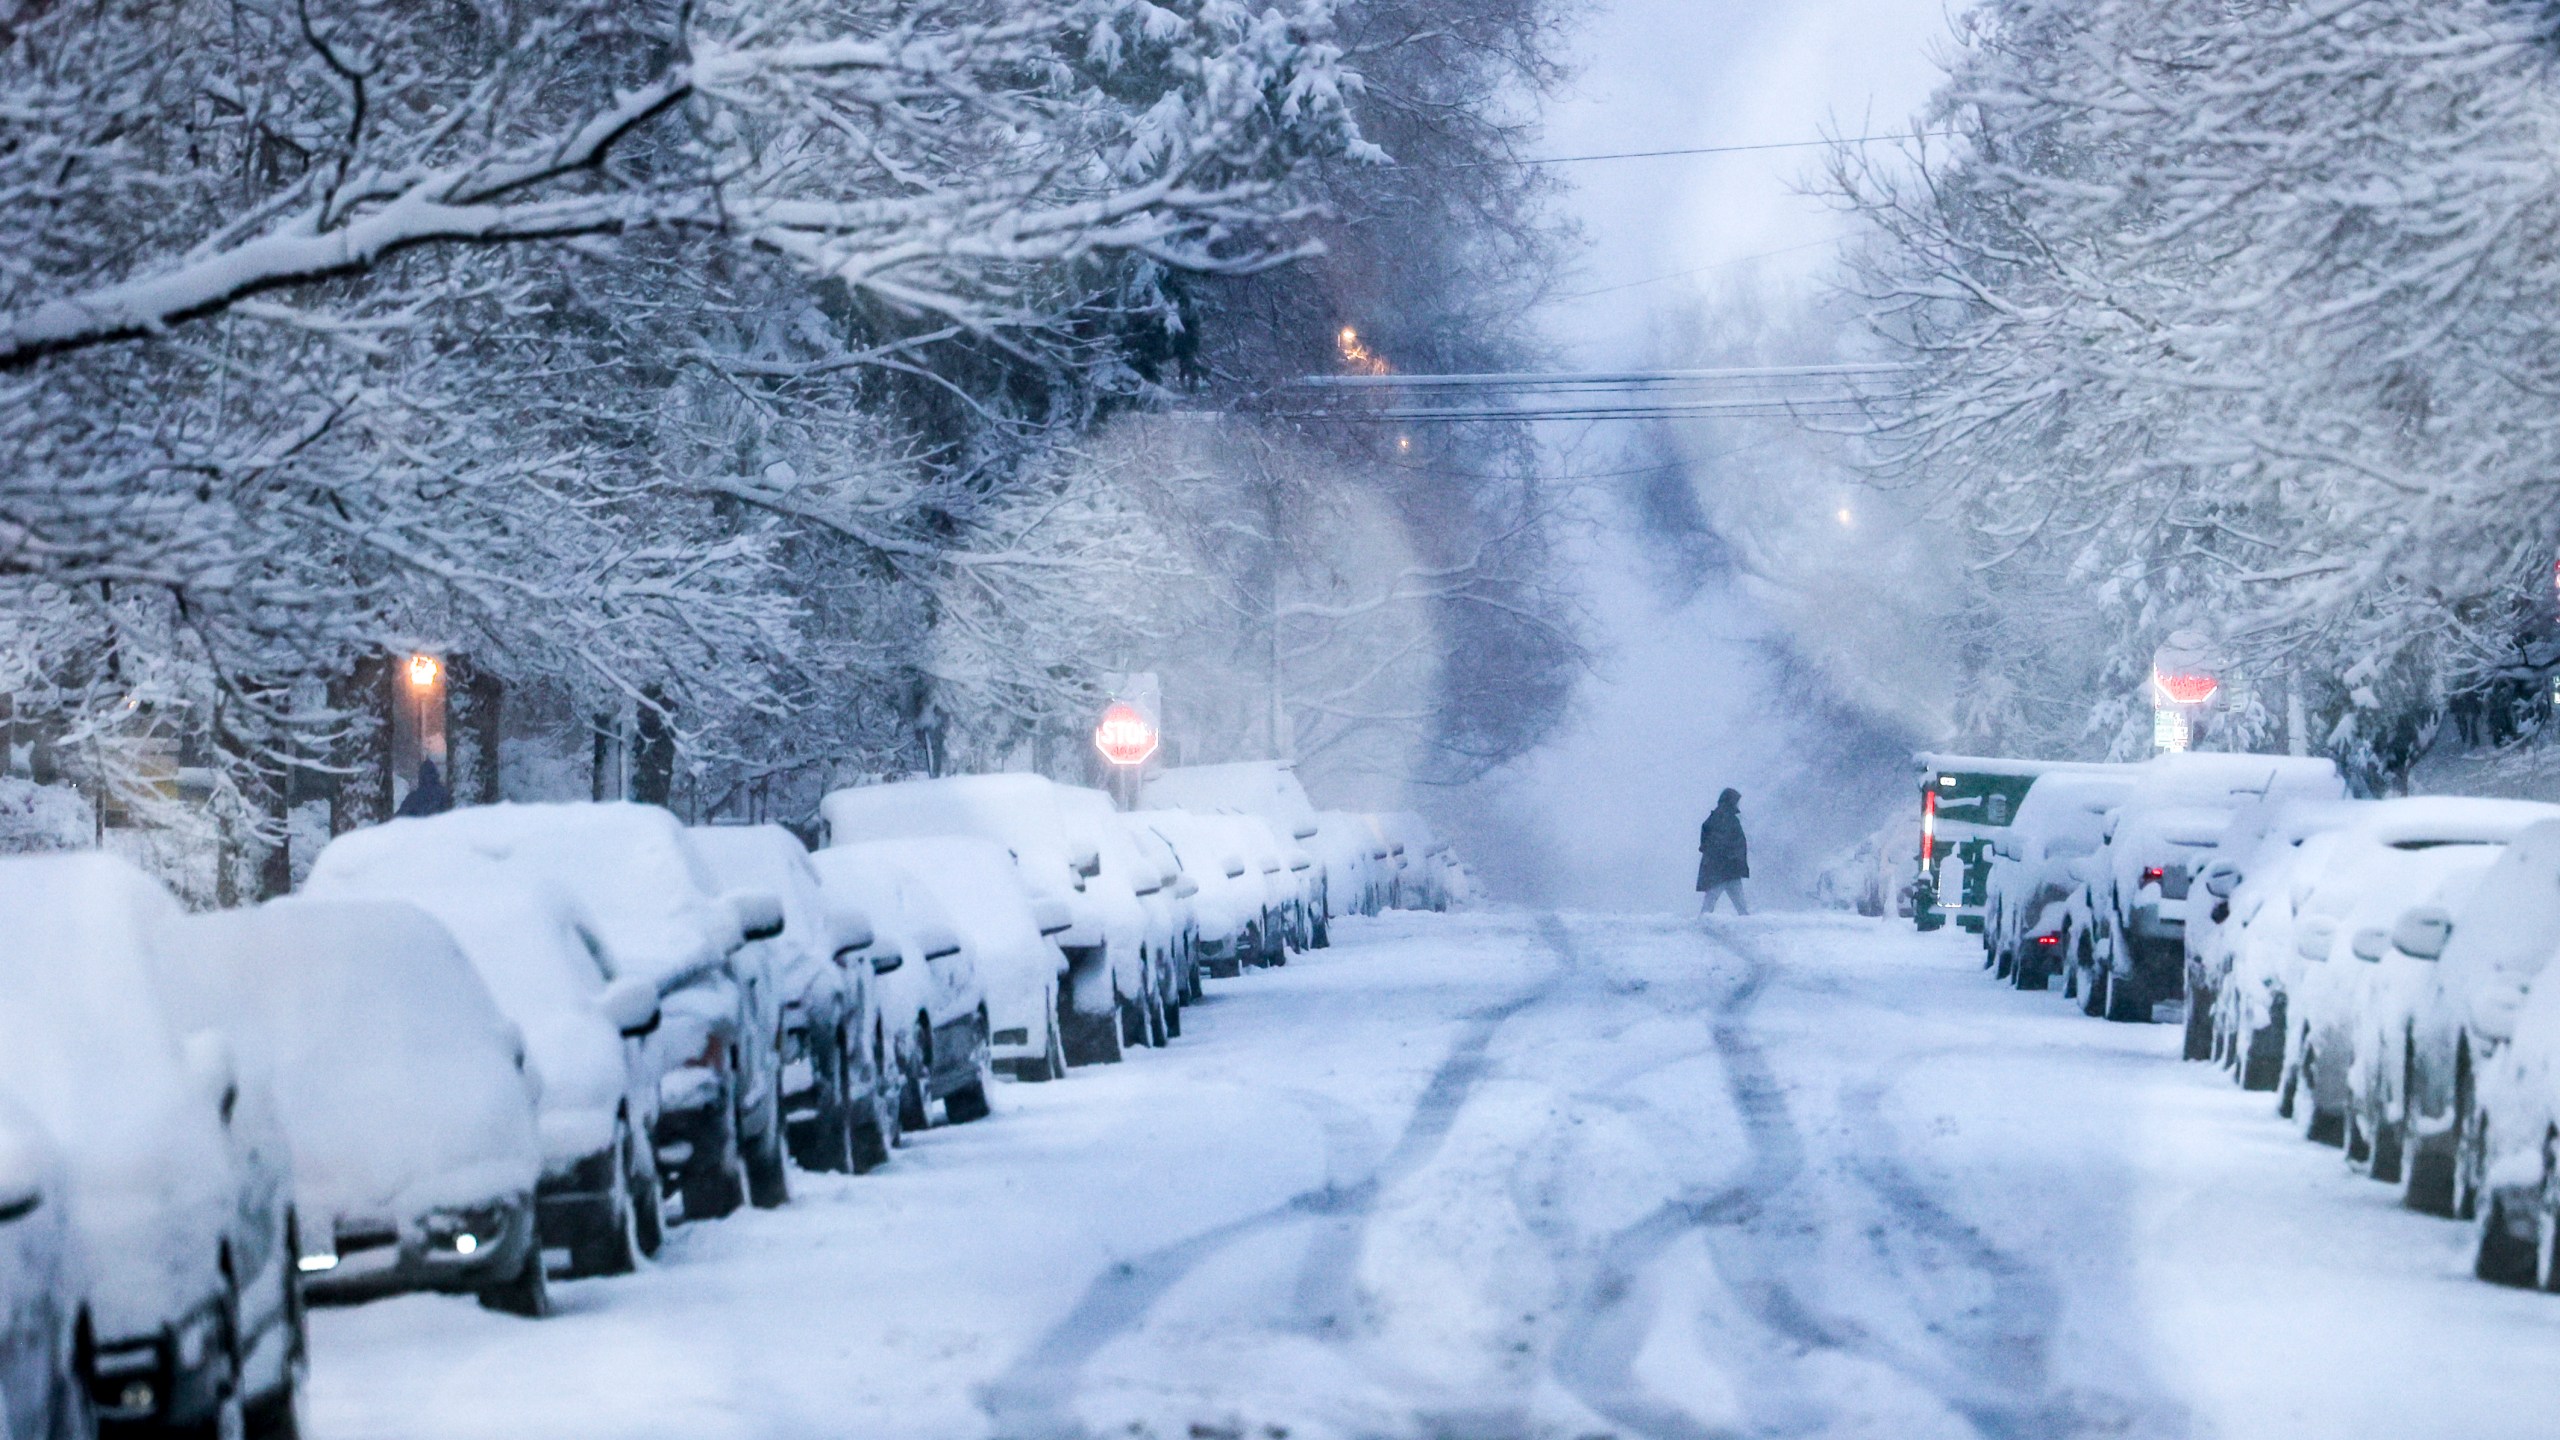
x=2448 y=819
x=1019 y=812
x=2509 y=930
x=655 y=907
x=1268 y=788
x=2206 y=773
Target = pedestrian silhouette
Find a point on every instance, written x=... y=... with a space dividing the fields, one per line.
x=1724 y=856
x=428 y=796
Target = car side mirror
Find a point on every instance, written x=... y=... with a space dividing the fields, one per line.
x=852 y=926
x=1307 y=834
x=216 y=1069
x=1184 y=887
x=1235 y=868
x=938 y=942
x=2220 y=883
x=2370 y=943
x=887 y=960
x=2423 y=932
x=759 y=913
x=1088 y=863
x=631 y=1006
x=1052 y=916
x=2313 y=938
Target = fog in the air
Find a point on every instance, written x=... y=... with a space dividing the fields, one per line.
x=1703 y=679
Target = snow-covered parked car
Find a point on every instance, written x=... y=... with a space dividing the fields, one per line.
x=194 y=1307
x=1269 y=789
x=2459 y=1084
x=931 y=996
x=1008 y=936
x=1228 y=910
x=2167 y=827
x=1126 y=867
x=2506 y=1144
x=2342 y=943
x=405 y=1094
x=1179 y=896
x=659 y=918
x=2391 y=992
x=2039 y=866
x=44 y=1286
x=597 y=1204
x=1422 y=862
x=813 y=987
x=1355 y=864
x=1106 y=943
x=2248 y=872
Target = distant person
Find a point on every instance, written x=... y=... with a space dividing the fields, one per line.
x=1724 y=857
x=428 y=796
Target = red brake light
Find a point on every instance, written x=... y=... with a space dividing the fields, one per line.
x=2152 y=874
x=2048 y=939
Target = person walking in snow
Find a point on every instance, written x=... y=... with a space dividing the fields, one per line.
x=428 y=796
x=1724 y=856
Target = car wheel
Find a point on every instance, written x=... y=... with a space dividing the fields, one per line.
x=823 y=1140
x=277 y=1415
x=1159 y=1027
x=616 y=1249
x=711 y=1186
x=1051 y=1062
x=1173 y=1011
x=2199 y=1021
x=2262 y=1057
x=969 y=1102
x=2384 y=1142
x=1324 y=932
x=1091 y=1039
x=2501 y=1256
x=768 y=1176
x=526 y=1293
x=648 y=1207
x=2320 y=1125
x=914 y=1098
x=1133 y=1020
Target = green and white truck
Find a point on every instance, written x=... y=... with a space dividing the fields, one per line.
x=1965 y=802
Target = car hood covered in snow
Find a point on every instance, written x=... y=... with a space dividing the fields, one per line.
x=397 y=1077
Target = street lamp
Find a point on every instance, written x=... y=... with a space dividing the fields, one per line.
x=423 y=671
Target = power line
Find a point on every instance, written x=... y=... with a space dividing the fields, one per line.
x=1526 y=161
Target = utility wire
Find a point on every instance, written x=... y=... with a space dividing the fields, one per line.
x=1531 y=160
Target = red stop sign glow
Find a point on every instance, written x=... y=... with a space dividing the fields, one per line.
x=1126 y=736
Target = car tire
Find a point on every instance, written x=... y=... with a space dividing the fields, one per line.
x=2127 y=1003
x=915 y=1094
x=1133 y=1020
x=2319 y=1124
x=715 y=1185
x=1173 y=1013
x=616 y=1250
x=768 y=1173
x=277 y=1415
x=823 y=1141
x=1159 y=1025
x=2199 y=1024
x=1091 y=1039
x=969 y=1102
x=527 y=1293
x=648 y=1208
x=2499 y=1255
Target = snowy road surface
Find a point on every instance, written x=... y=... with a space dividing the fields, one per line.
x=1506 y=1175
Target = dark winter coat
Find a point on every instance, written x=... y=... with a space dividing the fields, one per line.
x=428 y=796
x=1723 y=855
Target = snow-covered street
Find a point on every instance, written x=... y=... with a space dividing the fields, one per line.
x=1507 y=1174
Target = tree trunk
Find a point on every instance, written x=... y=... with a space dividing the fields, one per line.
x=653 y=751
x=360 y=794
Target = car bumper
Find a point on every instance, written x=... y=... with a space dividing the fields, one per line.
x=173 y=1380
x=421 y=1260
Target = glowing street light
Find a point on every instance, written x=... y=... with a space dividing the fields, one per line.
x=424 y=671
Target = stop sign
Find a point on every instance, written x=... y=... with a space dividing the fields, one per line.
x=1126 y=736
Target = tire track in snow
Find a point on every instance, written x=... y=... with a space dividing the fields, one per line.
x=1996 y=1365
x=1595 y=1356
x=1034 y=1399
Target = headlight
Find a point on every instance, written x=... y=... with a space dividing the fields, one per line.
x=465 y=1232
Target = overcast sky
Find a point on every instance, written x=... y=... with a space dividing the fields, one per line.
x=1607 y=816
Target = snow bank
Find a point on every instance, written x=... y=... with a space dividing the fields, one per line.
x=39 y=819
